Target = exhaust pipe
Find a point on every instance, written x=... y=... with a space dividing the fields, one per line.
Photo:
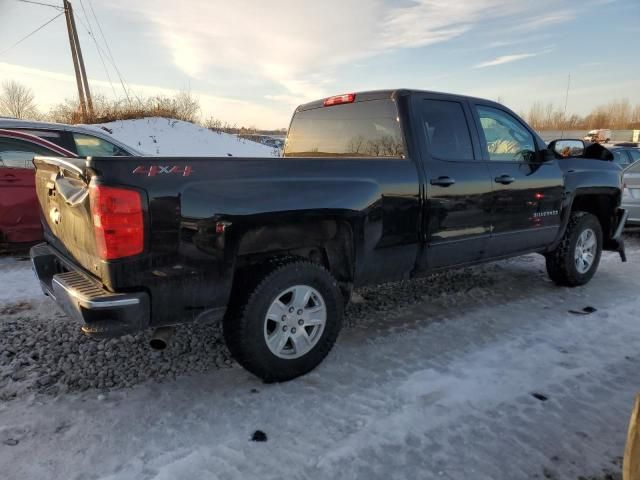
x=161 y=337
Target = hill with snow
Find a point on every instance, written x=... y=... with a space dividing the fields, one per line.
x=167 y=137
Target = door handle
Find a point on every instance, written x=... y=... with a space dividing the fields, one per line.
x=442 y=181
x=504 y=179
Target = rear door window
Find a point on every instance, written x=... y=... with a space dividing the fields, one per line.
x=19 y=154
x=90 y=146
x=447 y=131
x=360 y=129
x=60 y=138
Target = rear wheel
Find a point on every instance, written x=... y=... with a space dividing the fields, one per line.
x=287 y=324
x=576 y=259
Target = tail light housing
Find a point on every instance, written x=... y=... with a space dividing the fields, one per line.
x=118 y=221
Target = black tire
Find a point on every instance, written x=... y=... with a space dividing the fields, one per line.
x=244 y=325
x=561 y=264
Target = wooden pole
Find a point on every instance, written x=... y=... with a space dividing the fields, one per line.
x=83 y=72
x=67 y=14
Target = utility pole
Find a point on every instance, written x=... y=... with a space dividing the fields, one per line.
x=84 y=94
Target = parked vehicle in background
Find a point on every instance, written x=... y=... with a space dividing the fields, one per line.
x=81 y=140
x=19 y=212
x=373 y=187
x=599 y=135
x=624 y=155
x=631 y=194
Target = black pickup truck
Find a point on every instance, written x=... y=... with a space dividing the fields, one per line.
x=372 y=187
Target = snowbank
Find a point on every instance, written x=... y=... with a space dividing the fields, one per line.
x=165 y=136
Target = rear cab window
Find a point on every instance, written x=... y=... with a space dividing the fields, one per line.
x=361 y=129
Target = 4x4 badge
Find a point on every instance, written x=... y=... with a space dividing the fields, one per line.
x=153 y=170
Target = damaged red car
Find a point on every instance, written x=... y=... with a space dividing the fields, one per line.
x=19 y=212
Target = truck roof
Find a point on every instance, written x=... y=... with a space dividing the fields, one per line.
x=391 y=94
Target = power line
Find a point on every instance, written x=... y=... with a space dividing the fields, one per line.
x=90 y=32
x=57 y=7
x=32 y=33
x=104 y=55
x=113 y=62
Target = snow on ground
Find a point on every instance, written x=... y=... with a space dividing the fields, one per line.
x=168 y=137
x=16 y=281
x=441 y=388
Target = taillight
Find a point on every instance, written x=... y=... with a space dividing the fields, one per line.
x=118 y=222
x=338 y=99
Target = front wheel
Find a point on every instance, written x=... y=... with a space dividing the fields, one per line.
x=287 y=324
x=576 y=259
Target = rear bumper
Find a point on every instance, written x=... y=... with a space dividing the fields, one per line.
x=100 y=313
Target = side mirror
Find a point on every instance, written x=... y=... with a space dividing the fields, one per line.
x=567 y=148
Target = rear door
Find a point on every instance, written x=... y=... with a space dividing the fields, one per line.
x=457 y=218
x=527 y=184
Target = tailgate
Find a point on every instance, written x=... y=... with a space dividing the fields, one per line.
x=62 y=187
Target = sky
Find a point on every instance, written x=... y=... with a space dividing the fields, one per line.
x=252 y=62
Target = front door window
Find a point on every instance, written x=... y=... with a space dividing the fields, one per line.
x=506 y=140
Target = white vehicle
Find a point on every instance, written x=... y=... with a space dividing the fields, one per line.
x=599 y=135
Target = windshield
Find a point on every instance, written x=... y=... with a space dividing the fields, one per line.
x=361 y=129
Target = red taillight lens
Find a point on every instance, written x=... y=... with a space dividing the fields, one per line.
x=117 y=221
x=338 y=99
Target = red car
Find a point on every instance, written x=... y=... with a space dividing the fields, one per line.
x=19 y=212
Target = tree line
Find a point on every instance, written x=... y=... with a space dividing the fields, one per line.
x=616 y=114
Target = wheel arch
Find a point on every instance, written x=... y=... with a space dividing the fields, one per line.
x=327 y=240
x=602 y=202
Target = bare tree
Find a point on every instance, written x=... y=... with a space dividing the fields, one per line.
x=16 y=100
x=187 y=106
x=635 y=117
x=214 y=124
x=535 y=117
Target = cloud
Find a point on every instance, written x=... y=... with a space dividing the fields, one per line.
x=501 y=60
x=298 y=45
x=543 y=21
